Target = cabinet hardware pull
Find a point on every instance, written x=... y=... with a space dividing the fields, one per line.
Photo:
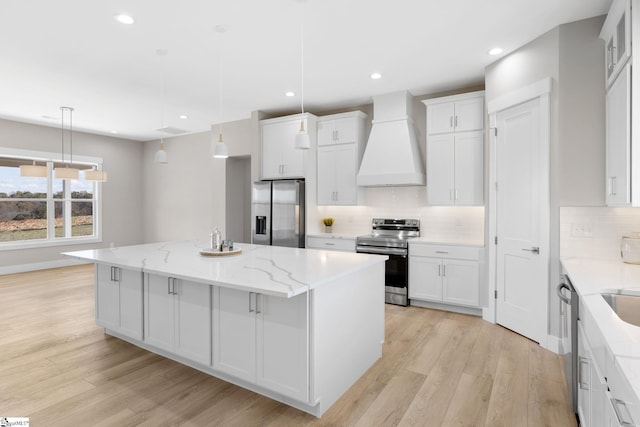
x=444 y=271
x=258 y=311
x=533 y=250
x=169 y=285
x=251 y=310
x=439 y=270
x=582 y=362
x=330 y=244
x=455 y=194
x=613 y=186
x=618 y=407
x=111 y=270
x=450 y=121
x=456 y=121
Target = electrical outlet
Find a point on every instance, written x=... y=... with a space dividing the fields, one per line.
x=581 y=230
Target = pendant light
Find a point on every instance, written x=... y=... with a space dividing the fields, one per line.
x=220 y=148
x=161 y=154
x=95 y=174
x=67 y=172
x=302 y=141
x=33 y=170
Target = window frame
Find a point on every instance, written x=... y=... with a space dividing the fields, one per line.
x=50 y=159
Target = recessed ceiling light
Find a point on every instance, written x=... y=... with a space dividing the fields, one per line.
x=124 y=19
x=495 y=51
x=114 y=131
x=184 y=116
x=290 y=94
x=376 y=76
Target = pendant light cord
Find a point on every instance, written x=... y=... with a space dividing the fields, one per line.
x=71 y=136
x=62 y=132
x=302 y=61
x=220 y=86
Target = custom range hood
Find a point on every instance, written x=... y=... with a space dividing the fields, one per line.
x=391 y=156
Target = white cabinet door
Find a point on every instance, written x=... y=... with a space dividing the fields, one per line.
x=440 y=118
x=234 y=333
x=131 y=303
x=440 y=170
x=193 y=321
x=616 y=33
x=460 y=282
x=283 y=345
x=159 y=312
x=346 y=130
x=469 y=115
x=119 y=300
x=326 y=132
x=618 y=140
x=425 y=281
x=469 y=169
x=326 y=176
x=272 y=137
x=346 y=171
x=293 y=159
x=107 y=297
x=337 y=171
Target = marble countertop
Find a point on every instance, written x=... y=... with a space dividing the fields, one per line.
x=590 y=278
x=271 y=270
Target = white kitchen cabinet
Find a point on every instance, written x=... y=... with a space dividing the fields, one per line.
x=455 y=150
x=178 y=317
x=458 y=113
x=280 y=158
x=263 y=340
x=340 y=149
x=618 y=140
x=616 y=33
x=592 y=386
x=119 y=299
x=343 y=244
x=445 y=274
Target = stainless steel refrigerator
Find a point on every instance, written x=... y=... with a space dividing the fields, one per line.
x=278 y=213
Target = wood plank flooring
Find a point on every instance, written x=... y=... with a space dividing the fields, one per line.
x=438 y=369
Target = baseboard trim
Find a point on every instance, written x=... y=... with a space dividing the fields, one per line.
x=22 y=268
x=447 y=307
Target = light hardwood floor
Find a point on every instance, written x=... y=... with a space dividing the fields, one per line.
x=438 y=369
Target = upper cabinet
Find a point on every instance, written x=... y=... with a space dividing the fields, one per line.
x=455 y=114
x=622 y=160
x=340 y=149
x=616 y=33
x=280 y=159
x=455 y=150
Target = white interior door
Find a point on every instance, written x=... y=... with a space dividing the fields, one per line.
x=522 y=204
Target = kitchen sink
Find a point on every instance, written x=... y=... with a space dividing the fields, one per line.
x=626 y=304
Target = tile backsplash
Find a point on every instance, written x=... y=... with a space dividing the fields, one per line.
x=595 y=232
x=440 y=223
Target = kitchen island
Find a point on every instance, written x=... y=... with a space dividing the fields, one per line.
x=297 y=325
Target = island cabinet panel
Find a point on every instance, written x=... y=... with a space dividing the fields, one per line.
x=263 y=340
x=177 y=317
x=119 y=299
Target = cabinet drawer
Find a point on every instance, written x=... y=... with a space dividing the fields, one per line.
x=331 y=243
x=625 y=399
x=457 y=252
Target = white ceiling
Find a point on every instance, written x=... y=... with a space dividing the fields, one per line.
x=73 y=53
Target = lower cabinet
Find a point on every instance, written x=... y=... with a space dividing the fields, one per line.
x=263 y=340
x=445 y=274
x=178 y=317
x=119 y=299
x=592 y=386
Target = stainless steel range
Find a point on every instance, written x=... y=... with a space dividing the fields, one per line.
x=391 y=237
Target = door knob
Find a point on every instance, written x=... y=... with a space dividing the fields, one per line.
x=534 y=249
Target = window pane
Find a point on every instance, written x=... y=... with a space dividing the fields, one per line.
x=23 y=220
x=15 y=186
x=81 y=187
x=59 y=212
x=82 y=218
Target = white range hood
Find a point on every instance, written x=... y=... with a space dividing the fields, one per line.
x=391 y=156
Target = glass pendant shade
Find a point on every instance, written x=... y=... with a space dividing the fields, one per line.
x=96 y=175
x=220 y=149
x=66 y=173
x=302 y=141
x=33 y=170
x=161 y=155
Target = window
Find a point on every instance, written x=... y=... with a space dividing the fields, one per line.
x=46 y=211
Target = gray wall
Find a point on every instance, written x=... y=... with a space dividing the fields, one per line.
x=572 y=55
x=121 y=195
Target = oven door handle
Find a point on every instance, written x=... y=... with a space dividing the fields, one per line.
x=381 y=251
